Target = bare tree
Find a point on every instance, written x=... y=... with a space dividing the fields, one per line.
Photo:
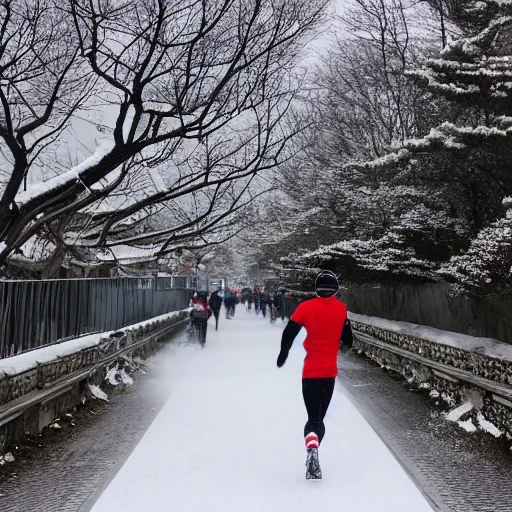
x=41 y=86
x=369 y=99
x=363 y=105
x=197 y=78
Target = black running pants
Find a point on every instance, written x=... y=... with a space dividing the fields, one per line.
x=317 y=395
x=216 y=314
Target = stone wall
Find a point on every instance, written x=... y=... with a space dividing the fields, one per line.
x=16 y=386
x=452 y=375
x=479 y=365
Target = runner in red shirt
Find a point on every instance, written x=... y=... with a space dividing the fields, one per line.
x=328 y=330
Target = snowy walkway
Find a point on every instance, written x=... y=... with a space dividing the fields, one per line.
x=229 y=439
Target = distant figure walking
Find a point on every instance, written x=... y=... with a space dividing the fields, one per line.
x=199 y=316
x=229 y=303
x=263 y=304
x=216 y=305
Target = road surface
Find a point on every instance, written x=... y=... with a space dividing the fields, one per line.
x=229 y=438
x=222 y=428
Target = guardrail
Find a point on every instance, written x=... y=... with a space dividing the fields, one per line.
x=34 y=397
x=454 y=368
x=38 y=313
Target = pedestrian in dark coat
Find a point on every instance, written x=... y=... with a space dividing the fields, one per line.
x=215 y=305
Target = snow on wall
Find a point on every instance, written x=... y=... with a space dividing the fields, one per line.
x=29 y=360
x=485 y=346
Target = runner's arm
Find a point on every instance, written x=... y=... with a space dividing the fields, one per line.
x=347 y=338
x=289 y=335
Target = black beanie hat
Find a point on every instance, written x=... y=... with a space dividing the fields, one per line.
x=326 y=284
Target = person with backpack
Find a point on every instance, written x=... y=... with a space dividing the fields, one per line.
x=199 y=316
x=231 y=303
x=328 y=331
x=229 y=298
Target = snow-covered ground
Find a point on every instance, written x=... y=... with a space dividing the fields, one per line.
x=229 y=438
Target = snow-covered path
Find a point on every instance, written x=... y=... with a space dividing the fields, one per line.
x=229 y=439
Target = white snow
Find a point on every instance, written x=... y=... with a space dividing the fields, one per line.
x=129 y=254
x=158 y=180
x=28 y=360
x=110 y=376
x=229 y=438
x=40 y=188
x=458 y=412
x=98 y=392
x=467 y=425
x=487 y=346
x=125 y=378
x=9 y=457
x=24 y=362
x=488 y=426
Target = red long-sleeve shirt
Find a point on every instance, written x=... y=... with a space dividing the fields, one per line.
x=324 y=320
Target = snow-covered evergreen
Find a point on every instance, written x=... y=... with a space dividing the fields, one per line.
x=431 y=207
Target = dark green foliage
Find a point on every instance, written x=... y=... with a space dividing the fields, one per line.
x=433 y=209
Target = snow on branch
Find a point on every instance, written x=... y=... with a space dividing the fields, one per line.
x=176 y=88
x=72 y=176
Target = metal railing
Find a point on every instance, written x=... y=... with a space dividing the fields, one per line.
x=38 y=313
x=288 y=300
x=286 y=307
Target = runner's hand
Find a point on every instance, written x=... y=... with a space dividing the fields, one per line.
x=281 y=359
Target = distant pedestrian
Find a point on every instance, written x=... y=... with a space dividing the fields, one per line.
x=263 y=304
x=256 y=300
x=229 y=300
x=230 y=303
x=216 y=305
x=199 y=316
